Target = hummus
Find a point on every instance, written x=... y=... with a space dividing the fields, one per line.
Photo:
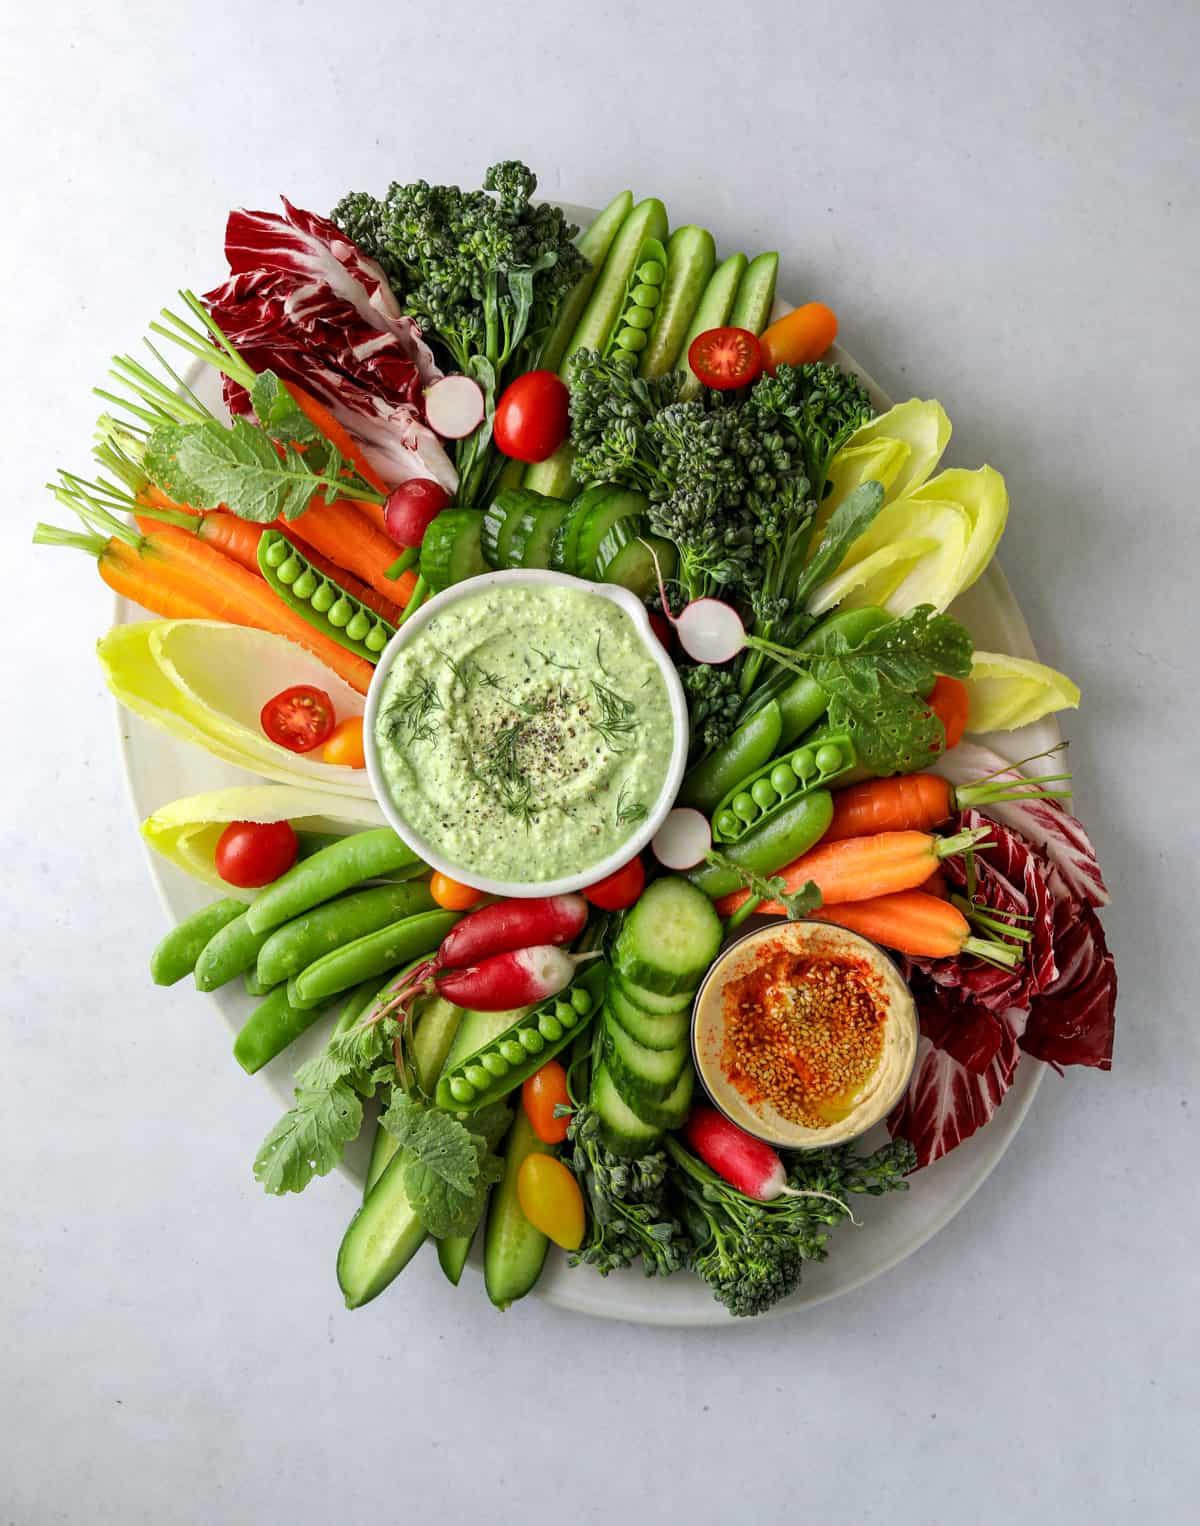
x=804 y=1034
x=525 y=732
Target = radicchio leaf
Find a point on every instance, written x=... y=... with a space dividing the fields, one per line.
x=950 y=1096
x=1054 y=832
x=1011 y=882
x=1072 y=1021
x=305 y=303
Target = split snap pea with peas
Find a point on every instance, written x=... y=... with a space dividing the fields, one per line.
x=320 y=601
x=761 y=795
x=643 y=293
x=512 y=1056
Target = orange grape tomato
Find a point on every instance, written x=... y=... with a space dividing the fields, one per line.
x=950 y=701
x=802 y=335
x=542 y=1092
x=551 y=1200
x=345 y=744
x=451 y=895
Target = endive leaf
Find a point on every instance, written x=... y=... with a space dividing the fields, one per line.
x=1007 y=692
x=983 y=497
x=186 y=831
x=205 y=682
x=899 y=449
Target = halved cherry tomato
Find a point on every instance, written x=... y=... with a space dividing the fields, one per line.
x=619 y=889
x=802 y=335
x=725 y=358
x=299 y=718
x=545 y=1090
x=531 y=417
x=345 y=744
x=950 y=701
x=253 y=853
x=551 y=1200
x=452 y=895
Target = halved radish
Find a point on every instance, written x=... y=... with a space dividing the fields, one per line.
x=454 y=406
x=683 y=839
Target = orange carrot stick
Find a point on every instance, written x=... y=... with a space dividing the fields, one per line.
x=127 y=574
x=908 y=802
x=239 y=596
x=861 y=868
x=910 y=921
x=337 y=530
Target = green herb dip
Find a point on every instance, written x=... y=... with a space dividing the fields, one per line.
x=525 y=732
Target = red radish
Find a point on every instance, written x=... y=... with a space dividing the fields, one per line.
x=507 y=925
x=412 y=507
x=683 y=839
x=454 y=407
x=661 y=627
x=743 y=1161
x=497 y=930
x=712 y=632
x=511 y=980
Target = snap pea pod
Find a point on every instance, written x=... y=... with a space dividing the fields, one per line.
x=178 y=952
x=370 y=955
x=643 y=293
x=229 y=953
x=320 y=601
x=750 y=746
x=255 y=987
x=271 y=1027
x=302 y=941
x=372 y=855
x=823 y=758
x=491 y=1072
x=768 y=847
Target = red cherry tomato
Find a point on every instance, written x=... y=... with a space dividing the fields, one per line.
x=545 y=1090
x=253 y=853
x=725 y=358
x=618 y=890
x=531 y=416
x=299 y=719
x=412 y=507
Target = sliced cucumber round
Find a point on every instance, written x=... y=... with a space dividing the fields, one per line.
x=672 y=1111
x=617 y=503
x=637 y=1071
x=670 y=938
x=653 y=1002
x=624 y=557
x=534 y=535
x=451 y=550
x=563 y=553
x=621 y=1129
x=657 y=1030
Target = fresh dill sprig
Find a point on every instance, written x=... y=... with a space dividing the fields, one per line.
x=563 y=667
x=630 y=811
x=617 y=715
x=409 y=718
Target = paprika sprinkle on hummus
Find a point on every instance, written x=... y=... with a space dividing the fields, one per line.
x=804 y=1034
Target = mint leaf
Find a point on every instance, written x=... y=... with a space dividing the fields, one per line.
x=309 y=1139
x=447 y=1169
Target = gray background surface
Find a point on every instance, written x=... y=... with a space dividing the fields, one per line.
x=1000 y=202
